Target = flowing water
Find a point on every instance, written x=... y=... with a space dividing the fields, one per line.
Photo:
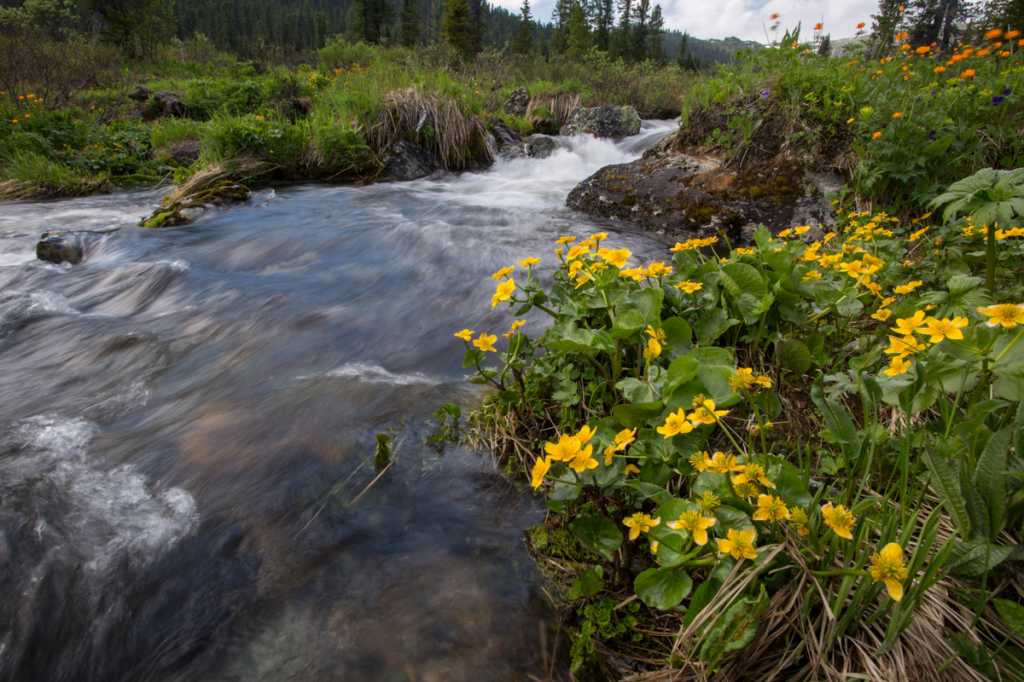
x=187 y=423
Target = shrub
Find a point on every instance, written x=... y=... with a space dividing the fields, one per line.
x=341 y=54
x=226 y=138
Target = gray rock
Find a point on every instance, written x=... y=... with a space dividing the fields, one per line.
x=140 y=94
x=408 y=161
x=163 y=105
x=680 y=194
x=61 y=247
x=541 y=146
x=182 y=153
x=605 y=121
x=507 y=142
x=518 y=102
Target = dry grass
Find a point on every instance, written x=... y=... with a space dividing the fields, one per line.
x=437 y=124
x=557 y=108
x=218 y=184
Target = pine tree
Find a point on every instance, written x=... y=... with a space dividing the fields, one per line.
x=686 y=59
x=560 y=18
x=883 y=28
x=457 y=27
x=934 y=21
x=624 y=34
x=410 y=28
x=603 y=24
x=655 y=36
x=1007 y=14
x=641 y=14
x=523 y=43
x=578 y=32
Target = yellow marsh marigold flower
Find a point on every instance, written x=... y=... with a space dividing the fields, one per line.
x=584 y=460
x=1005 y=315
x=811 y=276
x=635 y=274
x=503 y=273
x=466 y=335
x=798 y=517
x=908 y=325
x=503 y=292
x=700 y=460
x=914 y=236
x=752 y=473
x=622 y=440
x=658 y=269
x=739 y=544
x=639 y=523
x=898 y=365
x=529 y=262
x=744 y=379
x=616 y=257
x=839 y=519
x=539 y=471
x=599 y=237
x=722 y=463
x=675 y=424
x=887 y=567
x=695 y=524
x=632 y=470
x=745 y=250
x=689 y=286
x=565 y=449
x=585 y=434
x=485 y=342
x=770 y=508
x=567 y=239
x=653 y=348
x=709 y=501
x=938 y=330
x=579 y=250
x=704 y=411
x=902 y=346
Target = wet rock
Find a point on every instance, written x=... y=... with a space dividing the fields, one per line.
x=507 y=142
x=164 y=105
x=61 y=247
x=140 y=94
x=604 y=121
x=540 y=146
x=670 y=191
x=518 y=102
x=408 y=161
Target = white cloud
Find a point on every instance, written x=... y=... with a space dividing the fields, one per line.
x=746 y=19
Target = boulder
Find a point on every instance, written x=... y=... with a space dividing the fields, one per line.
x=518 y=102
x=163 y=105
x=182 y=152
x=671 y=191
x=507 y=142
x=605 y=121
x=61 y=247
x=540 y=146
x=408 y=161
x=140 y=94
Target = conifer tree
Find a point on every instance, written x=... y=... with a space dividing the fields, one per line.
x=457 y=27
x=603 y=24
x=410 y=28
x=641 y=15
x=624 y=35
x=655 y=36
x=523 y=43
x=578 y=32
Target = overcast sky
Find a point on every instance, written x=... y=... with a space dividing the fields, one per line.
x=743 y=18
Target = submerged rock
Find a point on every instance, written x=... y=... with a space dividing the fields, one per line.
x=408 y=161
x=668 y=190
x=604 y=121
x=61 y=247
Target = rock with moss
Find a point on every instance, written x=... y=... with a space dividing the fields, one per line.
x=61 y=247
x=604 y=121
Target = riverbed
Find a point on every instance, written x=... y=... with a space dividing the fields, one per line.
x=187 y=429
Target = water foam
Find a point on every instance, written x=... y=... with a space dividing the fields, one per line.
x=375 y=374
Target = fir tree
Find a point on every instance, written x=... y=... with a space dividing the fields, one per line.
x=523 y=43
x=686 y=59
x=655 y=36
x=641 y=14
x=410 y=28
x=883 y=28
x=578 y=32
x=624 y=34
x=457 y=27
x=603 y=24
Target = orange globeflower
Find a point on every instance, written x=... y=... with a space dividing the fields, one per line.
x=968 y=73
x=939 y=69
x=774 y=16
x=877 y=135
x=994 y=34
x=818 y=26
x=860 y=25
x=1010 y=35
x=924 y=49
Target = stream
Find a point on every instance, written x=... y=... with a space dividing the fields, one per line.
x=187 y=429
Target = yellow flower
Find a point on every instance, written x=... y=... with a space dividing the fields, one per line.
x=583 y=460
x=565 y=449
x=938 y=330
x=739 y=544
x=658 y=269
x=902 y=346
x=529 y=262
x=466 y=335
x=540 y=470
x=689 y=286
x=1006 y=315
x=908 y=287
x=599 y=237
x=616 y=257
x=503 y=273
x=632 y=470
x=898 y=365
x=752 y=473
x=723 y=464
x=585 y=434
x=485 y=342
x=745 y=250
x=562 y=241
x=635 y=274
x=811 y=276
x=704 y=411
x=503 y=292
x=708 y=501
x=798 y=517
x=700 y=460
x=695 y=524
x=839 y=519
x=914 y=236
x=906 y=326
x=744 y=379
x=639 y=523
x=516 y=326
x=675 y=424
x=580 y=249
x=887 y=567
x=882 y=314
x=653 y=349
x=770 y=508
x=622 y=440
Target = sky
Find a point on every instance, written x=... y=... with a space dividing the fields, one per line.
x=745 y=19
